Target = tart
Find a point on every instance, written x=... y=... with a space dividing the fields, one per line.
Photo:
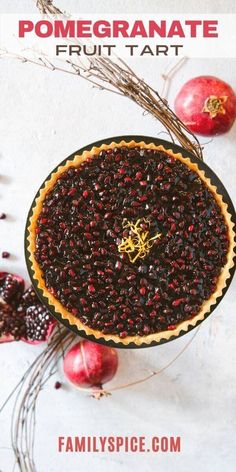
x=130 y=242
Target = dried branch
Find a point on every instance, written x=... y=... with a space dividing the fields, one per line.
x=24 y=410
x=168 y=76
x=114 y=75
x=47 y=7
x=125 y=82
x=23 y=419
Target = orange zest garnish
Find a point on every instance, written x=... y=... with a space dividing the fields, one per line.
x=138 y=243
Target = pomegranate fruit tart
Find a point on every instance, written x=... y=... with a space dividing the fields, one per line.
x=130 y=243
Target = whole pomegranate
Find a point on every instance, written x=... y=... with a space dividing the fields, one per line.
x=206 y=105
x=89 y=364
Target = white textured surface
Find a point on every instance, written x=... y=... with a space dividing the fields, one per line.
x=45 y=116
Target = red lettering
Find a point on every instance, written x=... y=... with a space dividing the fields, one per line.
x=60 y=443
x=69 y=445
x=155 y=444
x=103 y=443
x=164 y=444
x=40 y=26
x=120 y=29
x=84 y=29
x=102 y=29
x=142 y=444
x=111 y=444
x=119 y=443
x=64 y=30
x=80 y=444
x=138 y=30
x=176 y=30
x=133 y=444
x=175 y=444
x=25 y=27
x=159 y=29
x=193 y=27
x=210 y=29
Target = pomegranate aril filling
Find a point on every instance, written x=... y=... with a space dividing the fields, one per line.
x=81 y=230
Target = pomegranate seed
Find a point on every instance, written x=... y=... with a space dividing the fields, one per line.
x=143 y=198
x=3 y=216
x=138 y=175
x=57 y=385
x=72 y=191
x=5 y=254
x=75 y=311
x=88 y=235
x=91 y=288
x=123 y=334
x=153 y=314
x=171 y=286
x=191 y=228
x=85 y=194
x=142 y=290
x=177 y=301
x=83 y=301
x=171 y=327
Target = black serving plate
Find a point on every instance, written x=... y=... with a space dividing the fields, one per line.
x=168 y=145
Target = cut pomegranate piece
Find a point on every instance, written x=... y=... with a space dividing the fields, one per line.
x=6 y=338
x=11 y=288
x=39 y=324
x=12 y=327
x=22 y=315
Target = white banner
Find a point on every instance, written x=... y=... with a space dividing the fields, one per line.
x=149 y=35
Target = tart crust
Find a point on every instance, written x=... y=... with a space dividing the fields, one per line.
x=74 y=321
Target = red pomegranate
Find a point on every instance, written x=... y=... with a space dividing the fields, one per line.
x=89 y=364
x=207 y=105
